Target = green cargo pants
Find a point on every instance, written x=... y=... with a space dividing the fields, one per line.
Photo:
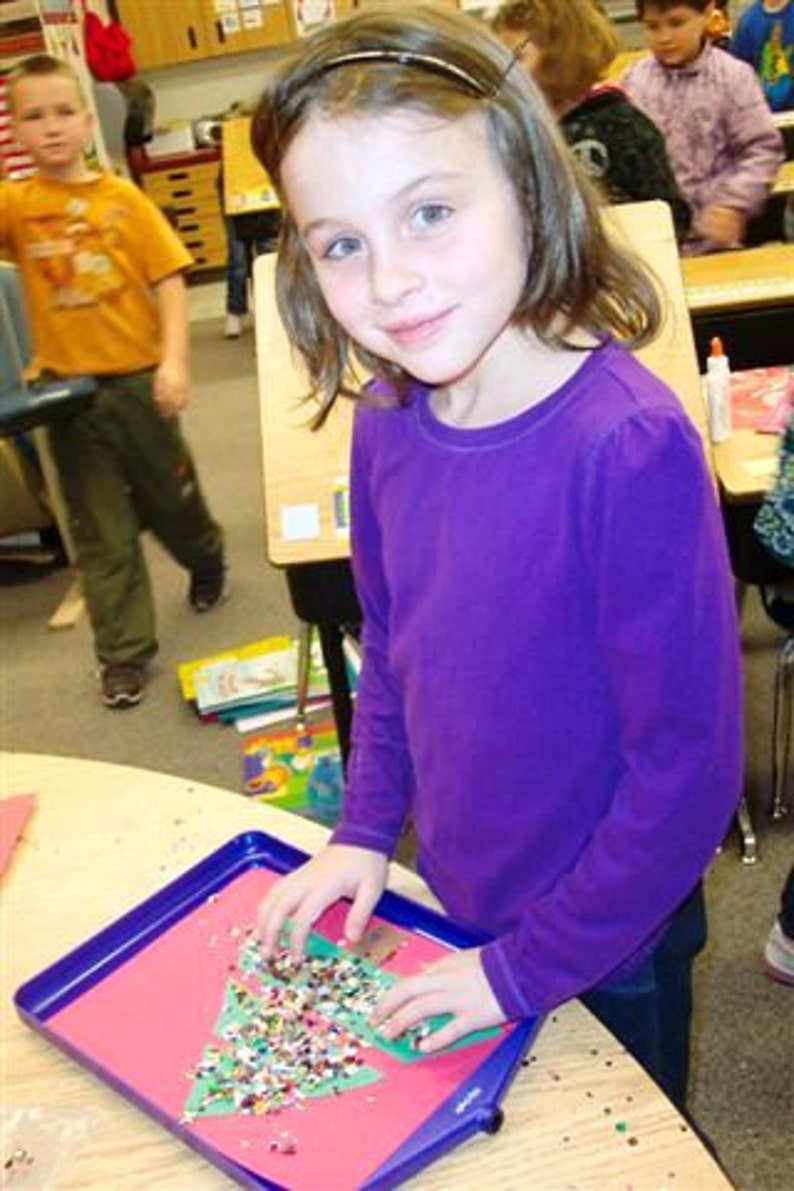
x=123 y=469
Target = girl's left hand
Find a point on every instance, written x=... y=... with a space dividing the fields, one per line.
x=456 y=985
x=171 y=387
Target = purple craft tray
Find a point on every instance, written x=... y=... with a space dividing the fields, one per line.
x=473 y=1107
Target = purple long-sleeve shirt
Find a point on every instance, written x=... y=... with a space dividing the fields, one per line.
x=721 y=140
x=551 y=670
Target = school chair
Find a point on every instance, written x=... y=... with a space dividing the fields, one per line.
x=754 y=566
x=781 y=728
x=323 y=596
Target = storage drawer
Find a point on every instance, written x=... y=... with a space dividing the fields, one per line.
x=207 y=252
x=185 y=182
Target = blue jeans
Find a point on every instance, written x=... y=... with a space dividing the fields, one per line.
x=239 y=259
x=650 y=1012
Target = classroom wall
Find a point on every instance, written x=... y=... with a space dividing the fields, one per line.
x=208 y=88
x=198 y=89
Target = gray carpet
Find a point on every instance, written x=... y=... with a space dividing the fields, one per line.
x=743 y=1081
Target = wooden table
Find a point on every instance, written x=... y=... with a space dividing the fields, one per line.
x=747 y=298
x=246 y=186
x=580 y=1115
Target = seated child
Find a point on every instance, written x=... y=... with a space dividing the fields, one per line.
x=567 y=48
x=722 y=142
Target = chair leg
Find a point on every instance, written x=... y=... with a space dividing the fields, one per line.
x=305 y=635
x=781 y=729
x=747 y=832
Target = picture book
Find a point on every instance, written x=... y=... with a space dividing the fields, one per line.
x=299 y=770
x=238 y=682
x=186 y=671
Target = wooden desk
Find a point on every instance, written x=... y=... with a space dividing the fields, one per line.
x=747 y=298
x=246 y=186
x=746 y=464
x=784 y=182
x=582 y=1114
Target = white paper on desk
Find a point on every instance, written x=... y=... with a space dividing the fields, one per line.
x=300 y=523
x=760 y=467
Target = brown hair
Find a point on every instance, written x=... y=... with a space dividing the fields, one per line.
x=444 y=63
x=39 y=66
x=574 y=39
x=666 y=5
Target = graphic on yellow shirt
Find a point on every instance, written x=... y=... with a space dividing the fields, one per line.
x=73 y=256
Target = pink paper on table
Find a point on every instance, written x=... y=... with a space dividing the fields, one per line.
x=761 y=398
x=14 y=814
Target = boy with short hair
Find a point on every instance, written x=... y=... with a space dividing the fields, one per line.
x=722 y=142
x=764 y=38
x=102 y=274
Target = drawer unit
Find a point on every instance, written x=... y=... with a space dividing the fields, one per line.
x=188 y=193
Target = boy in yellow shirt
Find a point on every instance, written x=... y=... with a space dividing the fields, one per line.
x=102 y=274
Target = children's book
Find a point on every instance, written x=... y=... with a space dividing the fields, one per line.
x=239 y=682
x=300 y=771
x=186 y=671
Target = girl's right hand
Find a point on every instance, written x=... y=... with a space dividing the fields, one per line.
x=338 y=871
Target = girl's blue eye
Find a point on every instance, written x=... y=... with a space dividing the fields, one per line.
x=430 y=214
x=342 y=248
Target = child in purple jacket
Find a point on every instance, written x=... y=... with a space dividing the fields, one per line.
x=723 y=145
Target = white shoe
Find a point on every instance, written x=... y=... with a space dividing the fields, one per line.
x=779 y=956
x=234 y=326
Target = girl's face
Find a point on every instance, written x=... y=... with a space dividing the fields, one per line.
x=675 y=36
x=415 y=235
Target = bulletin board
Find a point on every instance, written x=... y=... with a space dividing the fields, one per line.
x=272 y=1071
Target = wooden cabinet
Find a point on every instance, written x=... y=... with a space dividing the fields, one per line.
x=168 y=32
x=188 y=193
x=163 y=33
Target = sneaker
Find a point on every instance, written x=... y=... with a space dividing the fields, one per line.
x=122 y=684
x=208 y=586
x=779 y=956
x=234 y=326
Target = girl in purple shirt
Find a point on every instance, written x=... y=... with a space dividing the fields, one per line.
x=550 y=685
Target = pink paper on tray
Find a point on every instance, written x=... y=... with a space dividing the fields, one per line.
x=150 y=1021
x=14 y=814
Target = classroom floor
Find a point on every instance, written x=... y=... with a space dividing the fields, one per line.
x=744 y=1040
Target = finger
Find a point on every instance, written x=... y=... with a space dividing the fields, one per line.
x=360 y=912
x=445 y=1035
x=274 y=911
x=414 y=1014
x=400 y=994
x=312 y=906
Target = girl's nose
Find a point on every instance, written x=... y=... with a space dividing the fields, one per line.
x=391 y=277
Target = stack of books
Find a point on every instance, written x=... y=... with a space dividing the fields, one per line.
x=253 y=686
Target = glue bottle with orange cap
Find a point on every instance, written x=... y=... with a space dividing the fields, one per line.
x=718 y=392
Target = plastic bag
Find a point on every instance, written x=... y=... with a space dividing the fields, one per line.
x=108 y=50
